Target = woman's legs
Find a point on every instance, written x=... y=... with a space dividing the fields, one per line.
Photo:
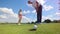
x=19 y=22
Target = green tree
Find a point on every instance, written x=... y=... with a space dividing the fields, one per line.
x=47 y=21
x=32 y=22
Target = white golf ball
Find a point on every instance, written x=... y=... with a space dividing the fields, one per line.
x=19 y=24
x=35 y=26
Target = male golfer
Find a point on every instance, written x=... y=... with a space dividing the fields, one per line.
x=38 y=8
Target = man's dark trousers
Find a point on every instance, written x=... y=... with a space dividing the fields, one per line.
x=39 y=14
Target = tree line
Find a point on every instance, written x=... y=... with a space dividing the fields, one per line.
x=48 y=21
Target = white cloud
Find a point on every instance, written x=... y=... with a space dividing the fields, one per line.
x=7 y=10
x=34 y=20
x=10 y=16
x=46 y=17
x=56 y=18
x=3 y=16
x=57 y=13
x=47 y=7
x=26 y=12
x=51 y=17
x=30 y=5
x=34 y=11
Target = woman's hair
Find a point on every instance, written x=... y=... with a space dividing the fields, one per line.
x=20 y=10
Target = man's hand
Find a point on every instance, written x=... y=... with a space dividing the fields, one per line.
x=29 y=2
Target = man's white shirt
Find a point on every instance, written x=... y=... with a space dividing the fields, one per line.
x=34 y=2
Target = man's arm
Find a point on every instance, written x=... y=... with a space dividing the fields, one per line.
x=37 y=5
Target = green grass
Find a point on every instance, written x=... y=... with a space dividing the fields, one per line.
x=51 y=28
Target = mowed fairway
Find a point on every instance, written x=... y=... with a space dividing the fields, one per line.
x=50 y=28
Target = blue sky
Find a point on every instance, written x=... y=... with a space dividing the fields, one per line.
x=50 y=9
